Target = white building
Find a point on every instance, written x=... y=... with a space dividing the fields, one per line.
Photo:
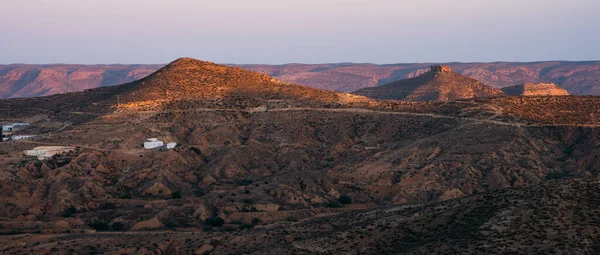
x=7 y=128
x=46 y=152
x=171 y=145
x=7 y=131
x=14 y=127
x=21 y=137
x=153 y=143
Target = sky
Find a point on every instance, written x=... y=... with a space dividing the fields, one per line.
x=297 y=31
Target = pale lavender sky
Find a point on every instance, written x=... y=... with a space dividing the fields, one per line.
x=301 y=31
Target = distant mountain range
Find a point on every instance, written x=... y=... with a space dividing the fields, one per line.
x=578 y=78
x=21 y=80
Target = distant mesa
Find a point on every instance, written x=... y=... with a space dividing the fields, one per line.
x=535 y=89
x=439 y=84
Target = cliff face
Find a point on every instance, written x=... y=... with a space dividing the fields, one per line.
x=539 y=89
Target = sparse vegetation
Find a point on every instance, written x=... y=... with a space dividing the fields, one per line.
x=176 y=195
x=243 y=182
x=196 y=150
x=100 y=225
x=214 y=221
x=69 y=211
x=333 y=205
x=108 y=206
x=118 y=226
x=246 y=226
x=345 y=200
x=126 y=196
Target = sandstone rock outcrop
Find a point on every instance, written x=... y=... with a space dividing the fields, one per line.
x=533 y=89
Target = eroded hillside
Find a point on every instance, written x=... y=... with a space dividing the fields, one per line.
x=555 y=217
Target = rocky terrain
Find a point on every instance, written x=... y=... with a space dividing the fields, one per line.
x=532 y=89
x=578 y=78
x=439 y=84
x=265 y=166
x=557 y=217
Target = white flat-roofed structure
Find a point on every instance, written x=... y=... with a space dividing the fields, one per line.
x=7 y=130
x=14 y=127
x=171 y=145
x=46 y=152
x=21 y=137
x=153 y=143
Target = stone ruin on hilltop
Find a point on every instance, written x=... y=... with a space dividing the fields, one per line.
x=441 y=69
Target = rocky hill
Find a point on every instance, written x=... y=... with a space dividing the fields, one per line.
x=578 y=78
x=439 y=84
x=191 y=79
x=254 y=152
x=532 y=89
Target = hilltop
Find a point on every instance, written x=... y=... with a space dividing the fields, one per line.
x=532 y=89
x=188 y=78
x=439 y=84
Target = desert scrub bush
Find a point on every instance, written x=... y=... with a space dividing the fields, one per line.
x=176 y=195
x=196 y=150
x=345 y=200
x=243 y=182
x=246 y=226
x=126 y=196
x=108 y=206
x=214 y=221
x=99 y=225
x=38 y=164
x=118 y=226
x=333 y=205
x=69 y=212
x=199 y=193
